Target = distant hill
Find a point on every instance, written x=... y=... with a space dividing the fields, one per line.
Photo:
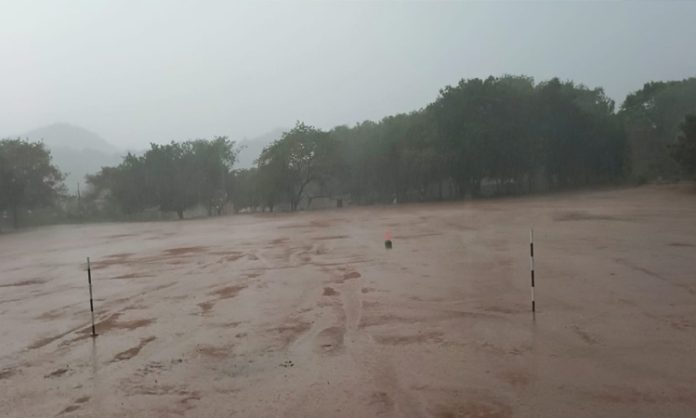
x=251 y=148
x=65 y=135
x=76 y=150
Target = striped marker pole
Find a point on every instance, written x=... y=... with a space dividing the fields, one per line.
x=531 y=265
x=91 y=304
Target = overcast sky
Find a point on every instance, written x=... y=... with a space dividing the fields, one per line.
x=142 y=71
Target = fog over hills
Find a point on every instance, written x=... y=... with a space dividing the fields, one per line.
x=65 y=135
x=251 y=148
x=76 y=151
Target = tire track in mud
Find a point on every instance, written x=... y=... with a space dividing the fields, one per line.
x=345 y=335
x=655 y=275
x=351 y=299
x=339 y=333
x=363 y=350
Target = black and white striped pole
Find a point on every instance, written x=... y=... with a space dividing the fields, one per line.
x=91 y=303
x=531 y=265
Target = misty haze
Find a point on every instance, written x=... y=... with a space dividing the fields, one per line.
x=341 y=209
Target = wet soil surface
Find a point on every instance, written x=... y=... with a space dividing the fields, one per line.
x=307 y=315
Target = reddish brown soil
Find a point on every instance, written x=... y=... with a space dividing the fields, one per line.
x=329 y=291
x=133 y=351
x=307 y=314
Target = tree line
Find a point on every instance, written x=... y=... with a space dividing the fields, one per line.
x=500 y=135
x=171 y=177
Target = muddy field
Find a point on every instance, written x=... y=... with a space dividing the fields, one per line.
x=307 y=315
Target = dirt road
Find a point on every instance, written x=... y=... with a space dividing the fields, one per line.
x=307 y=315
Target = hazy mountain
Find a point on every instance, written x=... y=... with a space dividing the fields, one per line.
x=76 y=151
x=70 y=136
x=252 y=147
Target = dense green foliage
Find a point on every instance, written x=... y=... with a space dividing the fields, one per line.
x=651 y=117
x=301 y=156
x=28 y=180
x=684 y=150
x=172 y=177
x=514 y=136
x=501 y=135
x=243 y=189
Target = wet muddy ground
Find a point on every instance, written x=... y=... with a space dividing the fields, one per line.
x=307 y=315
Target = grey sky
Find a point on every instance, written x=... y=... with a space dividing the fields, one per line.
x=141 y=71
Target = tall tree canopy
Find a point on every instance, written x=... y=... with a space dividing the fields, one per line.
x=651 y=117
x=301 y=156
x=499 y=135
x=172 y=177
x=506 y=131
x=28 y=179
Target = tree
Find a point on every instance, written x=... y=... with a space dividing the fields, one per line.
x=172 y=177
x=301 y=156
x=211 y=162
x=583 y=143
x=182 y=175
x=651 y=117
x=362 y=153
x=168 y=170
x=123 y=186
x=242 y=187
x=498 y=135
x=684 y=150
x=485 y=130
x=28 y=180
